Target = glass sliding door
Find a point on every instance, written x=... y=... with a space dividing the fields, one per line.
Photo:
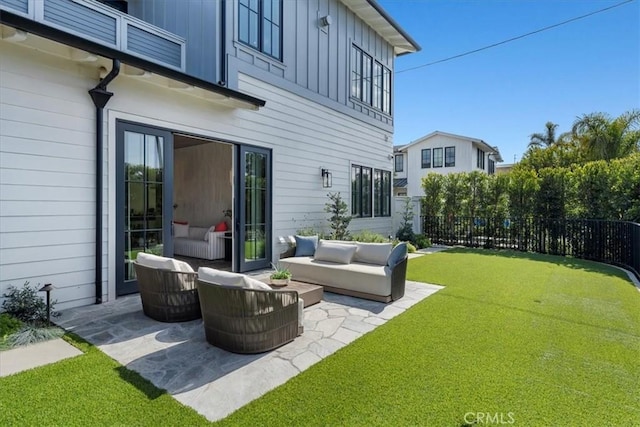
x=144 y=192
x=253 y=227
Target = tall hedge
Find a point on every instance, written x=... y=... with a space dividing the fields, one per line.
x=594 y=190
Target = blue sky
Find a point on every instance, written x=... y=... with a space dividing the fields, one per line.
x=504 y=94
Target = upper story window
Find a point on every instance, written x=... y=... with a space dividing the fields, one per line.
x=370 y=81
x=492 y=167
x=259 y=25
x=480 y=161
x=437 y=157
x=399 y=159
x=449 y=157
x=426 y=158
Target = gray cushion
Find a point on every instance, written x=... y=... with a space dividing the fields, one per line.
x=335 y=252
x=398 y=254
x=306 y=245
x=372 y=253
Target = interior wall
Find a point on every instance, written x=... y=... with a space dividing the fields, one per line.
x=202 y=183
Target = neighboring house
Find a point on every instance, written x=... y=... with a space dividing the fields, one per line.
x=504 y=168
x=120 y=117
x=443 y=153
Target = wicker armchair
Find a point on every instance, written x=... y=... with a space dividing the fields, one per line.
x=243 y=320
x=168 y=296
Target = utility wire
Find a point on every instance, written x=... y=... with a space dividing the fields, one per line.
x=516 y=38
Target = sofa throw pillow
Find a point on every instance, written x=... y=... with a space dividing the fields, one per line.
x=251 y=283
x=221 y=226
x=180 y=230
x=335 y=252
x=306 y=245
x=156 y=261
x=397 y=254
x=372 y=253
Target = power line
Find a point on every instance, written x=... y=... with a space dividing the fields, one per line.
x=516 y=38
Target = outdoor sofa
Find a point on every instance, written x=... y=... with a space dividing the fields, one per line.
x=375 y=271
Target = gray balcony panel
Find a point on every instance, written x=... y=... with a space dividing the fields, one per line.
x=81 y=19
x=21 y=6
x=153 y=46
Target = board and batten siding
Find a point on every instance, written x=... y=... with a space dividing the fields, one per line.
x=47 y=176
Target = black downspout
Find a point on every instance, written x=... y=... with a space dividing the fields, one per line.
x=222 y=81
x=100 y=97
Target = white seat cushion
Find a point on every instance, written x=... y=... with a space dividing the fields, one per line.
x=372 y=253
x=155 y=261
x=227 y=278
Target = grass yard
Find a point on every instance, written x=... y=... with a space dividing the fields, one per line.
x=515 y=338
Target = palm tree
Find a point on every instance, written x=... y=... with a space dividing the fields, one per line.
x=546 y=139
x=604 y=138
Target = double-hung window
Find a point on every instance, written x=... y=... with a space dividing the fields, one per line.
x=382 y=193
x=260 y=25
x=492 y=167
x=437 y=157
x=361 y=191
x=370 y=81
x=426 y=158
x=449 y=157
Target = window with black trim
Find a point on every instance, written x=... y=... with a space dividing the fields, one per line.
x=361 y=191
x=370 y=81
x=260 y=25
x=492 y=167
x=437 y=157
x=426 y=158
x=382 y=193
x=449 y=157
x=480 y=161
x=399 y=165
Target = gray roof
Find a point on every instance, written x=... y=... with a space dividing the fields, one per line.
x=400 y=182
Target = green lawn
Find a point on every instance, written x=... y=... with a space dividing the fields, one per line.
x=536 y=339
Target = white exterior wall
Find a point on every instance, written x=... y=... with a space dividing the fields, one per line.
x=466 y=160
x=47 y=191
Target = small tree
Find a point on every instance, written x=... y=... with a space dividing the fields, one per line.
x=339 y=220
x=405 y=232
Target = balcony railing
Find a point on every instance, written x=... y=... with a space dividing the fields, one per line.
x=612 y=242
x=105 y=25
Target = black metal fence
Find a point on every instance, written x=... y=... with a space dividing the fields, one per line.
x=612 y=242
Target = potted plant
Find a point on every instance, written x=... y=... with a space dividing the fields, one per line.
x=280 y=276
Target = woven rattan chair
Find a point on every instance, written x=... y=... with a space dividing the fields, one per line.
x=244 y=320
x=168 y=296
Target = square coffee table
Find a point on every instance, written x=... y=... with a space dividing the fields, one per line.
x=310 y=293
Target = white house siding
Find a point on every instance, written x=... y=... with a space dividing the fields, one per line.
x=47 y=162
x=465 y=160
x=47 y=175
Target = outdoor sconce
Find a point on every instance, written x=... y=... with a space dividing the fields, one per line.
x=325 y=21
x=48 y=288
x=326 y=178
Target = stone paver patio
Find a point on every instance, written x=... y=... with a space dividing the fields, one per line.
x=214 y=382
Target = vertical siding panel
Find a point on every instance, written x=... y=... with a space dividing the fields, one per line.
x=302 y=47
x=312 y=46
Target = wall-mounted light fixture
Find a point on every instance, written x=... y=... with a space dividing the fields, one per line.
x=390 y=157
x=325 y=21
x=326 y=178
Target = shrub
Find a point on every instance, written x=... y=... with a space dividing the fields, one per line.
x=26 y=305
x=367 y=236
x=422 y=241
x=405 y=232
x=8 y=325
x=339 y=220
x=410 y=248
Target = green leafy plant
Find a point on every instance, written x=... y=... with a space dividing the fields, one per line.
x=279 y=272
x=8 y=325
x=367 y=236
x=410 y=248
x=27 y=305
x=339 y=220
x=422 y=241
